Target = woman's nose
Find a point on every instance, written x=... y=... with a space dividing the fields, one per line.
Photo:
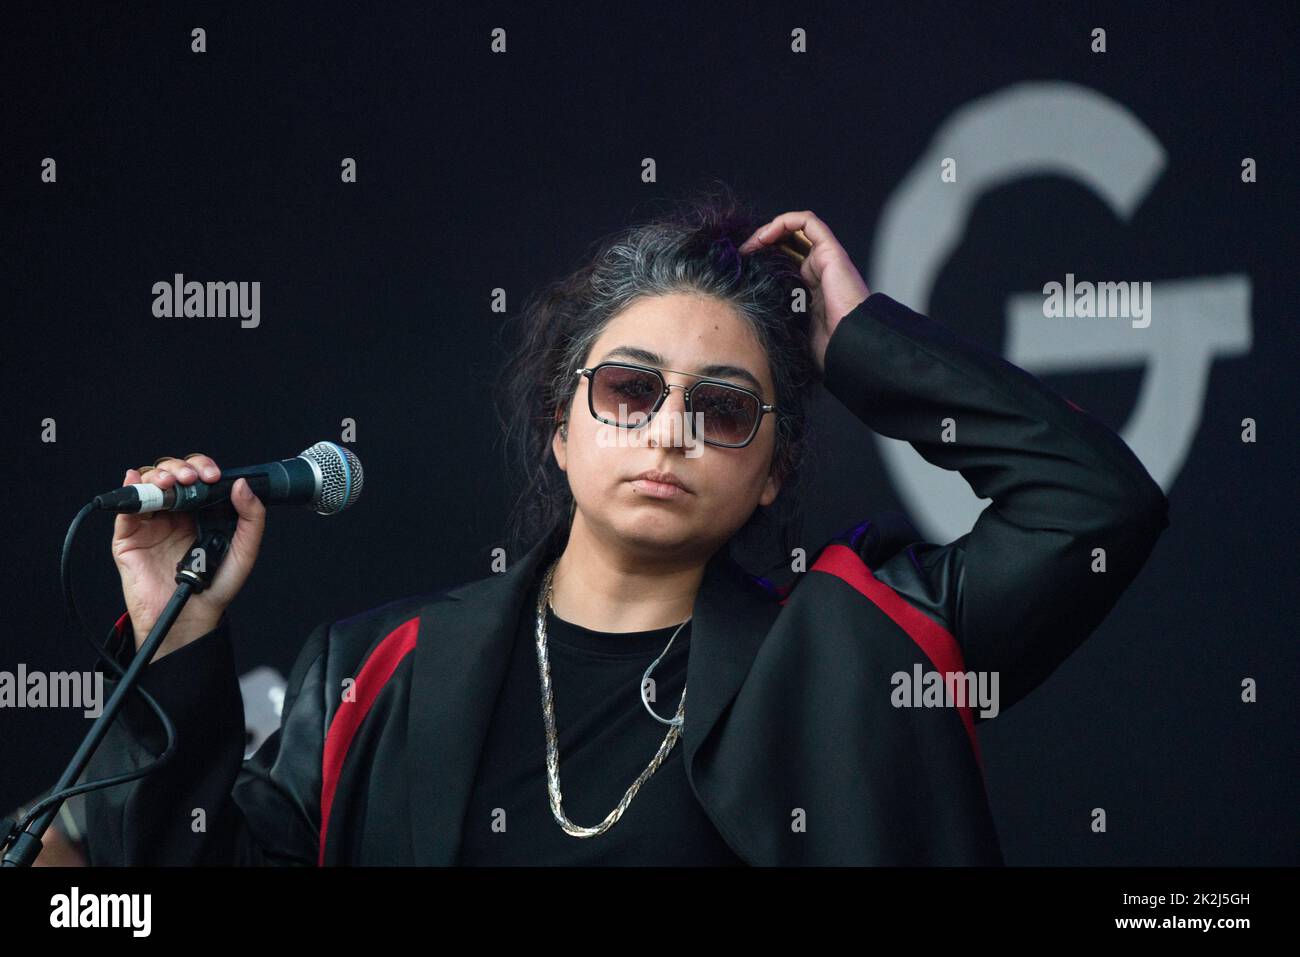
x=669 y=426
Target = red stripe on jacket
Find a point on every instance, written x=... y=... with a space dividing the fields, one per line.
x=376 y=671
x=936 y=641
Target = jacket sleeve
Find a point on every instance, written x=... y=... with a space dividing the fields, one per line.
x=208 y=805
x=1018 y=591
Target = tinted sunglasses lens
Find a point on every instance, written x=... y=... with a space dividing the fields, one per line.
x=624 y=396
x=728 y=414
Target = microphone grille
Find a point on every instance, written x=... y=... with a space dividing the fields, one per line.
x=341 y=476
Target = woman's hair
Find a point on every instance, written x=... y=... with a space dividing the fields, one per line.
x=691 y=248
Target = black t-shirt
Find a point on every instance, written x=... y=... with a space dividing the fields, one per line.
x=606 y=739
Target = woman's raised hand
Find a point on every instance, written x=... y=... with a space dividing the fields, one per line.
x=837 y=286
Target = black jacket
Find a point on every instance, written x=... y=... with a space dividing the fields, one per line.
x=793 y=744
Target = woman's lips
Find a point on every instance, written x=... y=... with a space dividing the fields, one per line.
x=662 y=490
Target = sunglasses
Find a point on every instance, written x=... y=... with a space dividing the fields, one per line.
x=726 y=415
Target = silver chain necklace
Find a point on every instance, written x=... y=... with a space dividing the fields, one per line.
x=552 y=747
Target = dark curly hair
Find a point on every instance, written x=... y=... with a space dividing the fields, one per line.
x=689 y=248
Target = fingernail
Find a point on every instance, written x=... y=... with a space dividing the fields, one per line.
x=188 y=473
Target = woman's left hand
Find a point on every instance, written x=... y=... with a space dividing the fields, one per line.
x=837 y=286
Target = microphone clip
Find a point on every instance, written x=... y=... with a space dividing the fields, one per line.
x=216 y=529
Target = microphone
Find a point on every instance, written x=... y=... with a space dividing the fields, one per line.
x=325 y=477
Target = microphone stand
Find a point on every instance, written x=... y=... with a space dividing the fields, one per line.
x=216 y=527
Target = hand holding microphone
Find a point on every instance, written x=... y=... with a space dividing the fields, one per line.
x=147 y=546
x=156 y=527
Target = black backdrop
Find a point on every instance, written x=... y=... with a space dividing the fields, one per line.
x=479 y=170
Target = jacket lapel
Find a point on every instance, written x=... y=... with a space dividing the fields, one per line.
x=461 y=654
x=732 y=616
x=460 y=660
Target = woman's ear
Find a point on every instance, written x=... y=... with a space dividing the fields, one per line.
x=559 y=440
x=773 y=484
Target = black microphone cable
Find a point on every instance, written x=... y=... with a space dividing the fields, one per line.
x=10 y=831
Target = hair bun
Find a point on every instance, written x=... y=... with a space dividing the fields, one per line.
x=723 y=253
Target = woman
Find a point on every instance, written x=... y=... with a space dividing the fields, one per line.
x=535 y=715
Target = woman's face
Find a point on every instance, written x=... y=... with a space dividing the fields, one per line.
x=686 y=332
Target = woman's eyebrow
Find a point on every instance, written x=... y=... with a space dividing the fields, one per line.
x=715 y=371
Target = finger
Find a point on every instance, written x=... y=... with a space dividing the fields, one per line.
x=796 y=254
x=205 y=466
x=806 y=227
x=810 y=275
x=813 y=229
x=799 y=241
x=795 y=245
x=756 y=239
x=252 y=523
x=183 y=472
